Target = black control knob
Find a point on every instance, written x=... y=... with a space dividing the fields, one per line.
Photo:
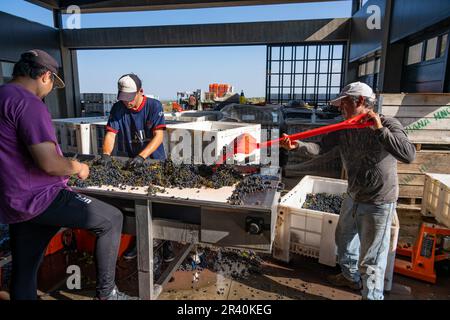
x=254 y=225
x=254 y=228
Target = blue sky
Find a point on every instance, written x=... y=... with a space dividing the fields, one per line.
x=166 y=71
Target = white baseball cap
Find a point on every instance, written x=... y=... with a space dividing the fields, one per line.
x=128 y=85
x=354 y=89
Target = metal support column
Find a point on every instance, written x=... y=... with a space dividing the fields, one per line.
x=144 y=235
x=69 y=71
x=148 y=288
x=385 y=44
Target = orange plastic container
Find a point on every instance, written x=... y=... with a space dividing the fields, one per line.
x=220 y=90
x=215 y=88
x=86 y=241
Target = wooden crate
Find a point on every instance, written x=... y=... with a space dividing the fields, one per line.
x=426 y=118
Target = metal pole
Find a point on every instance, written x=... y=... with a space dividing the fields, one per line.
x=385 y=44
x=144 y=238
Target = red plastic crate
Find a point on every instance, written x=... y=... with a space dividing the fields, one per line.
x=86 y=241
x=55 y=244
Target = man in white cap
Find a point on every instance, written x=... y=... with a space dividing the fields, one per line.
x=369 y=156
x=139 y=122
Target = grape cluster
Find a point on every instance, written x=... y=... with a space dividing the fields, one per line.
x=324 y=202
x=250 y=184
x=233 y=263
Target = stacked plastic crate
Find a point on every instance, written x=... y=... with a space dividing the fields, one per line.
x=208 y=138
x=74 y=134
x=98 y=104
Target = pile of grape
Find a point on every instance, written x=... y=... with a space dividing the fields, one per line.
x=166 y=174
x=232 y=263
x=324 y=202
x=250 y=184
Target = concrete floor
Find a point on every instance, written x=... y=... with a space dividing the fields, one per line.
x=302 y=279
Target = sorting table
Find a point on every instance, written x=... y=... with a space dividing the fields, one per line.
x=192 y=216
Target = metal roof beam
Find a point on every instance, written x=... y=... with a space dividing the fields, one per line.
x=255 y=33
x=95 y=6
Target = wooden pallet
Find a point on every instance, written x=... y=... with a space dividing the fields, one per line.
x=411 y=176
x=415 y=202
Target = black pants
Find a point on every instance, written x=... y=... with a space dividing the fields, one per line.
x=29 y=240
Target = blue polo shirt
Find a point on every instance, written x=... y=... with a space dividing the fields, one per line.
x=135 y=128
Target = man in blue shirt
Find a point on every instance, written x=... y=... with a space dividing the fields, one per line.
x=138 y=121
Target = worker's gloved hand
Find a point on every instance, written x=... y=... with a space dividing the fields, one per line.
x=136 y=162
x=105 y=160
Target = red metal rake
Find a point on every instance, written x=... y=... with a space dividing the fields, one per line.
x=246 y=144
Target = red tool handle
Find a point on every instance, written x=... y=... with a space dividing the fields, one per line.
x=352 y=123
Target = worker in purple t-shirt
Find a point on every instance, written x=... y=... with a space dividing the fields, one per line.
x=34 y=198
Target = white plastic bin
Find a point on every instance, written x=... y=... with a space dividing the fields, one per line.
x=312 y=233
x=73 y=134
x=436 y=197
x=98 y=131
x=214 y=135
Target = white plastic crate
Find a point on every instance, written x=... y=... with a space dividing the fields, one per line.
x=307 y=231
x=312 y=233
x=99 y=97
x=214 y=135
x=185 y=118
x=98 y=131
x=205 y=115
x=436 y=197
x=268 y=115
x=73 y=134
x=193 y=116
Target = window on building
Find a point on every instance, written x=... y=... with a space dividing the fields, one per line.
x=415 y=53
x=377 y=65
x=443 y=45
x=313 y=73
x=370 y=68
x=362 y=70
x=431 y=49
x=7 y=71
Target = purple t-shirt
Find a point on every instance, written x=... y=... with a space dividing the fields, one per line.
x=25 y=190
